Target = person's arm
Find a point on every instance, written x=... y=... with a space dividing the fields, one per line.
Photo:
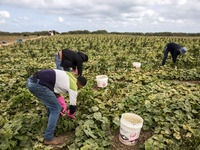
x=79 y=67
x=62 y=103
x=72 y=98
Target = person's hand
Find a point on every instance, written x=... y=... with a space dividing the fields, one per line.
x=63 y=104
x=71 y=116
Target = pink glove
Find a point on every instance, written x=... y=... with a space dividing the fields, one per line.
x=71 y=116
x=63 y=104
x=76 y=71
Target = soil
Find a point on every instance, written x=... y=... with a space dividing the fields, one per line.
x=63 y=139
x=116 y=144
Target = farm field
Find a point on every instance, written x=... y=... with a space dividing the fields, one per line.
x=14 y=39
x=166 y=97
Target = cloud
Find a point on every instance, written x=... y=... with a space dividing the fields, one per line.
x=4 y=14
x=20 y=19
x=60 y=19
x=113 y=13
x=112 y=9
x=2 y=21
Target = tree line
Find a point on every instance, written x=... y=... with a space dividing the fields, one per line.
x=103 y=32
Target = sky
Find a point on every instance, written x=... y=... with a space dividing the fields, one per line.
x=92 y=15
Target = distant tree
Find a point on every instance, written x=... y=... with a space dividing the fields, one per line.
x=77 y=32
x=100 y=32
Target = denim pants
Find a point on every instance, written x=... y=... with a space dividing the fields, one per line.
x=48 y=98
x=166 y=51
x=58 y=62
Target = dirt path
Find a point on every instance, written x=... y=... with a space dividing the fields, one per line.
x=13 y=41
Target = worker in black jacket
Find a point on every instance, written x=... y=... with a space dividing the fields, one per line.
x=175 y=50
x=65 y=59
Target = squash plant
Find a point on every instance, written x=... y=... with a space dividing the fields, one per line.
x=170 y=109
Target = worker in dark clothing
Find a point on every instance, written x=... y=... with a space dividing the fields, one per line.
x=175 y=50
x=66 y=59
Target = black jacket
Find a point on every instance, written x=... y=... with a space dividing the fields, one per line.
x=174 y=49
x=72 y=59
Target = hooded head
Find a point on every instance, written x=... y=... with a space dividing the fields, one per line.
x=183 y=50
x=83 y=56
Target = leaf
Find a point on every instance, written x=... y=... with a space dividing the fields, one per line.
x=120 y=106
x=177 y=135
x=97 y=116
x=95 y=108
x=158 y=136
x=89 y=123
x=149 y=144
x=116 y=120
x=72 y=147
x=105 y=143
x=86 y=147
x=156 y=118
x=145 y=127
x=79 y=131
x=166 y=109
x=167 y=130
x=104 y=120
x=194 y=111
x=157 y=130
x=196 y=132
x=88 y=132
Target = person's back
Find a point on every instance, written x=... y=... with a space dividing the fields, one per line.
x=71 y=56
x=68 y=58
x=173 y=47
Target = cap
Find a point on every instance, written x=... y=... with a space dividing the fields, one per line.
x=183 y=50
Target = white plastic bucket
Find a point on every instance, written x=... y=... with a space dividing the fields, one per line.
x=130 y=127
x=136 y=64
x=102 y=80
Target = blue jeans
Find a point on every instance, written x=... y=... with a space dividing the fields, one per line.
x=166 y=51
x=58 y=62
x=48 y=98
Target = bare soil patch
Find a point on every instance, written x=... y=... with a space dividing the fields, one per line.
x=116 y=144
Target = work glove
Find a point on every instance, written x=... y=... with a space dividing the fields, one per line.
x=71 y=116
x=63 y=104
x=76 y=71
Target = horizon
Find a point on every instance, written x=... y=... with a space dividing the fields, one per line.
x=101 y=30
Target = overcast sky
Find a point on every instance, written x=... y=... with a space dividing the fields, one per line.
x=111 y=15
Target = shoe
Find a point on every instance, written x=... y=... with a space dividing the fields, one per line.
x=55 y=141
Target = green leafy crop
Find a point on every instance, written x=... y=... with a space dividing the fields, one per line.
x=170 y=109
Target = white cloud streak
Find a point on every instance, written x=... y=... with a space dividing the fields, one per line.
x=115 y=12
x=4 y=14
